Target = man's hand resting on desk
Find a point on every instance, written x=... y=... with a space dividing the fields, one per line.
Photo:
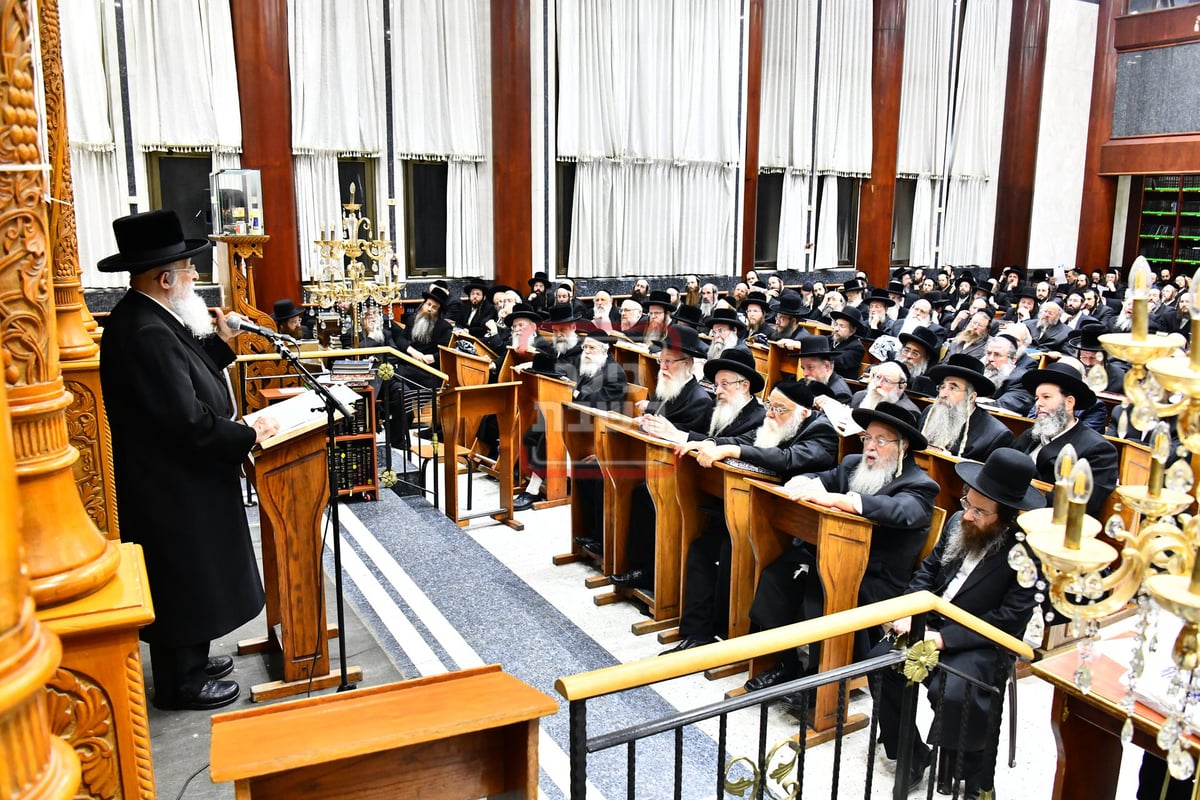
x=662 y=428
x=813 y=491
x=264 y=428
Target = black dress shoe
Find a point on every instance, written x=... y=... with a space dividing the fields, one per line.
x=591 y=545
x=524 y=501
x=769 y=678
x=801 y=705
x=920 y=761
x=218 y=666
x=689 y=642
x=213 y=694
x=631 y=579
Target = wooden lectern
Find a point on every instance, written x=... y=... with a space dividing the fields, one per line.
x=547 y=395
x=462 y=407
x=292 y=479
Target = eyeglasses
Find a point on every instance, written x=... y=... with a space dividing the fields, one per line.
x=886 y=381
x=878 y=441
x=670 y=361
x=779 y=410
x=727 y=384
x=912 y=352
x=950 y=387
x=969 y=510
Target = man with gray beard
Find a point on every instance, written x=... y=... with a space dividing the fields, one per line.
x=886 y=486
x=1000 y=367
x=792 y=439
x=969 y=567
x=727 y=331
x=426 y=331
x=1058 y=391
x=954 y=423
x=736 y=411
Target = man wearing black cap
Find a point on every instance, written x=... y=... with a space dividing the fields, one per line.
x=538 y=296
x=954 y=423
x=426 y=331
x=816 y=362
x=886 y=486
x=657 y=306
x=728 y=332
x=853 y=290
x=788 y=315
x=473 y=316
x=1025 y=307
x=755 y=309
x=1109 y=376
x=919 y=351
x=177 y=455
x=1058 y=391
x=848 y=349
x=792 y=439
x=1000 y=367
x=969 y=567
x=289 y=319
x=879 y=321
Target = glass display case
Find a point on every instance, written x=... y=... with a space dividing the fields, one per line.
x=237 y=202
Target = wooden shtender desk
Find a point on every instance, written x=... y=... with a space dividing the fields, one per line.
x=459 y=735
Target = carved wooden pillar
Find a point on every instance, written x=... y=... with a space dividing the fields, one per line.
x=67 y=556
x=754 y=49
x=512 y=156
x=33 y=761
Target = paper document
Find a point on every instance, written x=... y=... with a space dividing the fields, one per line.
x=301 y=413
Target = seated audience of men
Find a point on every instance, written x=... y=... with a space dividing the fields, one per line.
x=474 y=315
x=969 y=567
x=736 y=384
x=886 y=486
x=953 y=423
x=792 y=439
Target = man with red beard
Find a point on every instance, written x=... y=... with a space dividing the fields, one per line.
x=886 y=486
x=658 y=308
x=679 y=398
x=954 y=423
x=792 y=439
x=969 y=567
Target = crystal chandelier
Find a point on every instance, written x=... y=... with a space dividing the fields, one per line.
x=346 y=286
x=1086 y=578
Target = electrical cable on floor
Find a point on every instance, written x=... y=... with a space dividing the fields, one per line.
x=189 y=781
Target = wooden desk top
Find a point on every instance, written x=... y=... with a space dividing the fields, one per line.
x=123 y=602
x=271 y=739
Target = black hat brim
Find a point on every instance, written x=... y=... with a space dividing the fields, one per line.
x=916 y=439
x=119 y=263
x=969 y=472
x=1084 y=396
x=713 y=366
x=982 y=384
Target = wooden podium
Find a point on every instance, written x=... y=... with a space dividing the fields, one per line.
x=292 y=479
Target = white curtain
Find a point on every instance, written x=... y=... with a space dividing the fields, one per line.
x=336 y=59
x=978 y=122
x=441 y=68
x=95 y=174
x=648 y=104
x=786 y=117
x=924 y=105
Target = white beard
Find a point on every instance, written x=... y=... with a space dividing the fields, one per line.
x=1047 y=426
x=725 y=413
x=669 y=388
x=875 y=396
x=772 y=433
x=911 y=323
x=565 y=344
x=183 y=300
x=422 y=328
x=868 y=480
x=715 y=348
x=706 y=309
x=944 y=425
x=590 y=364
x=998 y=375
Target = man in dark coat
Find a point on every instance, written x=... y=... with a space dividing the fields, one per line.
x=1000 y=367
x=1090 y=352
x=177 y=454
x=886 y=486
x=816 y=362
x=1058 y=391
x=289 y=319
x=736 y=383
x=969 y=567
x=1047 y=332
x=473 y=315
x=848 y=349
x=953 y=422
x=792 y=439
x=427 y=330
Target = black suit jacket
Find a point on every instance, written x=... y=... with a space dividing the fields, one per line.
x=177 y=457
x=848 y=358
x=604 y=390
x=1012 y=394
x=841 y=391
x=984 y=434
x=747 y=421
x=813 y=448
x=1100 y=453
x=477 y=326
x=687 y=412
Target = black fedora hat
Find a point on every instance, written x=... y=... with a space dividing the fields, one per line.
x=148 y=240
x=285 y=309
x=1005 y=477
x=1026 y=291
x=926 y=340
x=802 y=392
x=658 y=298
x=854 y=285
x=936 y=299
x=851 y=315
x=1065 y=377
x=1087 y=337
x=499 y=287
x=684 y=340
x=562 y=314
x=688 y=315
x=438 y=294
x=544 y=363
x=756 y=298
x=726 y=316
x=738 y=361
x=539 y=277
x=816 y=346
x=967 y=368
x=523 y=311
x=882 y=296
x=598 y=335
x=475 y=283
x=894 y=416
x=790 y=303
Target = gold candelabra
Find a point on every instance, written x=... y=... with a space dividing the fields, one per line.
x=344 y=281
x=1087 y=578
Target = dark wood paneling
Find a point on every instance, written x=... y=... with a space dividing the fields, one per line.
x=512 y=207
x=1093 y=249
x=754 y=48
x=877 y=201
x=260 y=44
x=1157 y=28
x=1133 y=217
x=1150 y=155
x=1022 y=119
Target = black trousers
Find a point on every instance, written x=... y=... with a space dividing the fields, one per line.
x=706 y=597
x=178 y=670
x=640 y=538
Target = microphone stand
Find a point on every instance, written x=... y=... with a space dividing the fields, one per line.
x=332 y=406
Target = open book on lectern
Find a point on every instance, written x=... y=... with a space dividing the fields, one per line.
x=300 y=414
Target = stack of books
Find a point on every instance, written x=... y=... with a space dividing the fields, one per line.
x=352 y=371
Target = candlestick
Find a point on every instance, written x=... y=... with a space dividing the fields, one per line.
x=1080 y=493
x=1140 y=278
x=1160 y=451
x=1064 y=464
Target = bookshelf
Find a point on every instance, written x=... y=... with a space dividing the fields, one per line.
x=354 y=451
x=1169 y=224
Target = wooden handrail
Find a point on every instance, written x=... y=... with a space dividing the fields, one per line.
x=621 y=677
x=355 y=351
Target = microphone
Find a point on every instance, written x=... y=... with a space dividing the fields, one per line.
x=239 y=323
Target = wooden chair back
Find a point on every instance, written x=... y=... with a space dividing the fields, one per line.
x=935 y=532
